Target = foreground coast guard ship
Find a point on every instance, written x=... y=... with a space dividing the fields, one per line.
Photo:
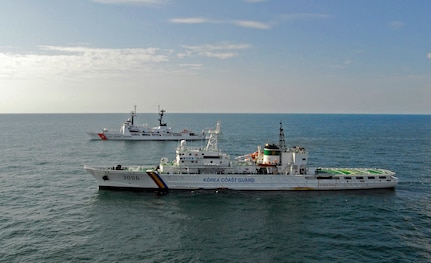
x=275 y=168
x=129 y=131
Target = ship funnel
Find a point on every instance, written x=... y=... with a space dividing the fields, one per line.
x=183 y=145
x=271 y=154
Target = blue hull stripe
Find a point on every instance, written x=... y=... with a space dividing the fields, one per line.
x=157 y=180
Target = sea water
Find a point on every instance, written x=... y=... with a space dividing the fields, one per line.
x=53 y=211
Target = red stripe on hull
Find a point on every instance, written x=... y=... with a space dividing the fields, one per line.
x=102 y=136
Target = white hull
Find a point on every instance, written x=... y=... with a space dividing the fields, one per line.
x=146 y=137
x=141 y=178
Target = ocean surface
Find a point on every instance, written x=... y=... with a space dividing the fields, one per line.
x=53 y=211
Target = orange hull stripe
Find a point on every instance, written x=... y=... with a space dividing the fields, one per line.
x=157 y=180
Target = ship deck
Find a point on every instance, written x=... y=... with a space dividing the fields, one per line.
x=353 y=171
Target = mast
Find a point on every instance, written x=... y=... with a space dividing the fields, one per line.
x=212 y=144
x=281 y=141
x=133 y=115
x=161 y=112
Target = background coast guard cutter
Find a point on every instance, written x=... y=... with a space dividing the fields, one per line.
x=131 y=132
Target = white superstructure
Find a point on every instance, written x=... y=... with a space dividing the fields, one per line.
x=274 y=168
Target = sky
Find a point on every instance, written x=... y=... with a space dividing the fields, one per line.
x=215 y=56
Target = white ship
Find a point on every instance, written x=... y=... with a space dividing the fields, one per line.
x=132 y=132
x=275 y=168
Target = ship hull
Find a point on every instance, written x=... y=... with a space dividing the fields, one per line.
x=147 y=137
x=141 y=178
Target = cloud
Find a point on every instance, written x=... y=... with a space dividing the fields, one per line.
x=219 y=51
x=240 y=23
x=254 y=1
x=143 y=2
x=395 y=25
x=101 y=54
x=251 y=24
x=83 y=61
x=61 y=60
x=191 y=20
x=429 y=55
x=305 y=16
x=191 y=66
